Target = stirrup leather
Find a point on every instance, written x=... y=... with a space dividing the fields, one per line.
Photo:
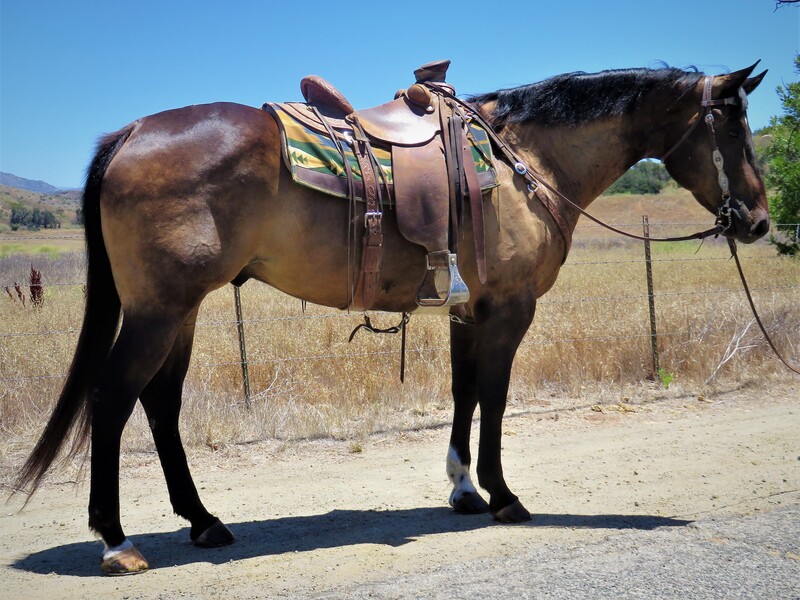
x=442 y=285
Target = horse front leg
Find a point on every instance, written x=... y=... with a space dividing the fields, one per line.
x=499 y=331
x=464 y=361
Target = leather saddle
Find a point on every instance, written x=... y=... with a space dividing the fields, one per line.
x=433 y=176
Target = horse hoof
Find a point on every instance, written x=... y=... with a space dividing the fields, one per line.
x=216 y=535
x=127 y=562
x=470 y=503
x=513 y=513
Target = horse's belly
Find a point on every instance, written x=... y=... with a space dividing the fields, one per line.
x=320 y=263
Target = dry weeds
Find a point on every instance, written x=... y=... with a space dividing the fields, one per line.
x=590 y=343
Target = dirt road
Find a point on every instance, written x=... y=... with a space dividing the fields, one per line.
x=337 y=519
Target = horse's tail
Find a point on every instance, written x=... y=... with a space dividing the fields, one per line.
x=72 y=413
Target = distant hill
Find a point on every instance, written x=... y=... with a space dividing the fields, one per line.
x=21 y=183
x=63 y=203
x=62 y=199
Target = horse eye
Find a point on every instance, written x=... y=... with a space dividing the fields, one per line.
x=734 y=133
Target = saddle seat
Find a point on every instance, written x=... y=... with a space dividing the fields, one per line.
x=409 y=120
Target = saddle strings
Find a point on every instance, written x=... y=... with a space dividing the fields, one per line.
x=351 y=194
x=449 y=140
x=400 y=327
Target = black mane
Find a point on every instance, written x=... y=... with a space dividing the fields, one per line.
x=575 y=98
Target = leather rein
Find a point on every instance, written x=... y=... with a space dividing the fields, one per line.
x=724 y=221
x=535 y=180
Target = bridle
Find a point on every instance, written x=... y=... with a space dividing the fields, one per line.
x=706 y=115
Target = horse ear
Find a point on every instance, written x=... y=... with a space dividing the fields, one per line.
x=730 y=83
x=751 y=83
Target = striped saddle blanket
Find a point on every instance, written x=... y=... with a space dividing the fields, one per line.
x=314 y=160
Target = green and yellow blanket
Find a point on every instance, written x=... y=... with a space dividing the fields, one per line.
x=314 y=161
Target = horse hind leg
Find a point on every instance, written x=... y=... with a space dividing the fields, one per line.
x=143 y=344
x=161 y=400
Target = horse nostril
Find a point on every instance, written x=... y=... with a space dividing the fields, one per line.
x=760 y=228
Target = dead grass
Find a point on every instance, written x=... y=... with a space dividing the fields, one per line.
x=590 y=343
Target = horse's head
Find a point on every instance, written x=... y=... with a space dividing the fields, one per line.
x=712 y=154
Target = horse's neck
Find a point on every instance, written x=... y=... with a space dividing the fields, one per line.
x=580 y=162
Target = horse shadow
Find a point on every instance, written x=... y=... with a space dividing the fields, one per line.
x=337 y=528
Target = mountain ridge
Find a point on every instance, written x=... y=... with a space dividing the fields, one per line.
x=31 y=185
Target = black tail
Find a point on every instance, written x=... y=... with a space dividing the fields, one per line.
x=100 y=321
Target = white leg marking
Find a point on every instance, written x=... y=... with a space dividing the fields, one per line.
x=114 y=550
x=458 y=473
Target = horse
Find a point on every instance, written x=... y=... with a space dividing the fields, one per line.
x=180 y=203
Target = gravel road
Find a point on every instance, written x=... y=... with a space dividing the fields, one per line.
x=681 y=498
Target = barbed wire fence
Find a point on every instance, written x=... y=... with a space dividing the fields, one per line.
x=241 y=360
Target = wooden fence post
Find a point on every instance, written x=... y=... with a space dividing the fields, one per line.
x=651 y=299
x=242 y=348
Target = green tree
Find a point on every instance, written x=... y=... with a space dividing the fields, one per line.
x=645 y=177
x=32 y=219
x=783 y=167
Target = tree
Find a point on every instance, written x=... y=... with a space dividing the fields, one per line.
x=783 y=167
x=32 y=219
x=645 y=177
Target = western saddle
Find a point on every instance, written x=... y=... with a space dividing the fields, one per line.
x=433 y=172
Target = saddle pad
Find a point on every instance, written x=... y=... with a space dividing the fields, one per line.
x=314 y=161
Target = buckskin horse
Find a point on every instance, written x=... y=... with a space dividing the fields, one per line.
x=180 y=203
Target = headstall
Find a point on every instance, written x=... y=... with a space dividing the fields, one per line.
x=724 y=220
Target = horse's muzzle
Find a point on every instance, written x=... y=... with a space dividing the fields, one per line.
x=740 y=223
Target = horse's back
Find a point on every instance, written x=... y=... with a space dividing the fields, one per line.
x=195 y=142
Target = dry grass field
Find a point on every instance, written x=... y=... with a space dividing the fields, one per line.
x=590 y=342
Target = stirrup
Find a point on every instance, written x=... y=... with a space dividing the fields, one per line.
x=442 y=285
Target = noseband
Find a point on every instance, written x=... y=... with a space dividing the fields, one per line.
x=724 y=214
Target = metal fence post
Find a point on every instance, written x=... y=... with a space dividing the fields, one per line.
x=651 y=299
x=242 y=348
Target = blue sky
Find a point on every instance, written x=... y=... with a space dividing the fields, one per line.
x=73 y=70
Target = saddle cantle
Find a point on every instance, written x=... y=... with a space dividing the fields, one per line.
x=318 y=91
x=419 y=153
